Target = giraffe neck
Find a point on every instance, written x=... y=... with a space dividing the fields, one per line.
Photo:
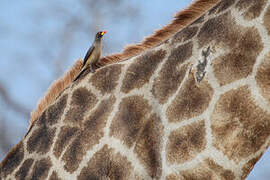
x=194 y=107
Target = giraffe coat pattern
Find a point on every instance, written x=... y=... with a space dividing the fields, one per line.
x=150 y=118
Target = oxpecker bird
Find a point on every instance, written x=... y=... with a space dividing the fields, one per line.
x=93 y=54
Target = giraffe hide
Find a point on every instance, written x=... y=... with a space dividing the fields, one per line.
x=181 y=19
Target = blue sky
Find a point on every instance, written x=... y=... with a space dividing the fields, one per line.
x=22 y=68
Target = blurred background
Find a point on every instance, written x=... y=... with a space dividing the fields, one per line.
x=40 y=40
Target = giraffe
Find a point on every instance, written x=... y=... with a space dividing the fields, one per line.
x=196 y=106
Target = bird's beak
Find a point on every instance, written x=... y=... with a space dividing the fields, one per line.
x=104 y=32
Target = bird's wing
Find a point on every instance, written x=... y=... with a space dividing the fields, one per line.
x=80 y=73
x=88 y=54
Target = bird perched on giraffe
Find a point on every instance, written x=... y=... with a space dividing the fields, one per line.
x=93 y=54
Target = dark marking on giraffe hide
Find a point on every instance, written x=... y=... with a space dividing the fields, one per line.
x=201 y=66
x=263 y=77
x=192 y=100
x=236 y=115
x=148 y=146
x=105 y=79
x=184 y=35
x=186 y=142
x=82 y=101
x=252 y=8
x=141 y=70
x=65 y=136
x=172 y=73
x=90 y=134
x=129 y=119
x=266 y=20
x=12 y=160
x=41 y=140
x=205 y=170
x=106 y=164
x=41 y=169
x=53 y=113
x=24 y=169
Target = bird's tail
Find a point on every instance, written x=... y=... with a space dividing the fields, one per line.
x=79 y=75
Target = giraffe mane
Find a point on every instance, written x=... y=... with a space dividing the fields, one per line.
x=55 y=89
x=181 y=19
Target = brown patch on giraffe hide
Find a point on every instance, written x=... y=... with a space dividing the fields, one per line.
x=174 y=177
x=24 y=169
x=65 y=136
x=249 y=166
x=148 y=146
x=89 y=135
x=186 y=142
x=266 y=20
x=12 y=160
x=192 y=100
x=252 y=8
x=220 y=28
x=41 y=140
x=141 y=70
x=41 y=169
x=185 y=34
x=242 y=46
x=82 y=101
x=240 y=61
x=129 y=119
x=106 y=79
x=224 y=174
x=106 y=164
x=74 y=154
x=263 y=77
x=54 y=176
x=53 y=113
x=221 y=6
x=172 y=73
x=239 y=127
x=99 y=117
x=205 y=170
